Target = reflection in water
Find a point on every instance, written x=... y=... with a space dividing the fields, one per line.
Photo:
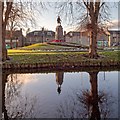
x=4 y=110
x=94 y=99
x=92 y=104
x=59 y=80
x=86 y=104
x=14 y=104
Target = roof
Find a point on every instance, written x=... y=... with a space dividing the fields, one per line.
x=85 y=33
x=114 y=31
x=40 y=33
x=75 y=33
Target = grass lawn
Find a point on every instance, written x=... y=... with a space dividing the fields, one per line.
x=44 y=46
x=56 y=57
x=46 y=57
x=30 y=54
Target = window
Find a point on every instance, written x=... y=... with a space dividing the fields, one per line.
x=114 y=34
x=35 y=33
x=49 y=33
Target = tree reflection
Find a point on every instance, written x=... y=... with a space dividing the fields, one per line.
x=94 y=99
x=15 y=105
x=86 y=104
x=4 y=110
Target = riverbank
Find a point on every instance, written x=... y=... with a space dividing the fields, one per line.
x=21 y=59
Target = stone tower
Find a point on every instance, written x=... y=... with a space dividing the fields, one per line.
x=59 y=30
x=59 y=80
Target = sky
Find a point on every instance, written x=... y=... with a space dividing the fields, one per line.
x=47 y=19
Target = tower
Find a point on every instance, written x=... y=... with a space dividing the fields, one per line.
x=59 y=30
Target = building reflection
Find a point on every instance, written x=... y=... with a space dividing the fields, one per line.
x=59 y=80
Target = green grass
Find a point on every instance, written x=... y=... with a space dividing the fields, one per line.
x=35 y=46
x=58 y=57
x=30 y=54
x=111 y=55
x=44 y=46
x=47 y=57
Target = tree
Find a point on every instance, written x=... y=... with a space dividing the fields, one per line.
x=0 y=32
x=18 y=18
x=6 y=9
x=90 y=14
x=17 y=12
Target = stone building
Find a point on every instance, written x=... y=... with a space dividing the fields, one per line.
x=39 y=37
x=83 y=38
x=14 y=39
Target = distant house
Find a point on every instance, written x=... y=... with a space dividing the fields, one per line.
x=72 y=37
x=114 y=37
x=39 y=37
x=14 y=39
x=77 y=37
x=83 y=38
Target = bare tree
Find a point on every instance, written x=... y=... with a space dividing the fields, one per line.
x=18 y=19
x=16 y=14
x=6 y=9
x=90 y=14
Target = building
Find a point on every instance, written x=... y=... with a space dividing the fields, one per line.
x=14 y=39
x=39 y=37
x=114 y=37
x=83 y=38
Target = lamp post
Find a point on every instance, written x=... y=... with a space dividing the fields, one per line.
x=16 y=42
x=42 y=34
x=71 y=36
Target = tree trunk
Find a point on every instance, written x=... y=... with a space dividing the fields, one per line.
x=5 y=17
x=11 y=43
x=95 y=114
x=4 y=110
x=93 y=12
x=0 y=31
x=4 y=50
x=93 y=42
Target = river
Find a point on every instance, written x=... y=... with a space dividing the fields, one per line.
x=60 y=94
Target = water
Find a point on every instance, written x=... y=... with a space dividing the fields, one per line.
x=62 y=95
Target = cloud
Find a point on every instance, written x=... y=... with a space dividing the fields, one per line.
x=115 y=24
